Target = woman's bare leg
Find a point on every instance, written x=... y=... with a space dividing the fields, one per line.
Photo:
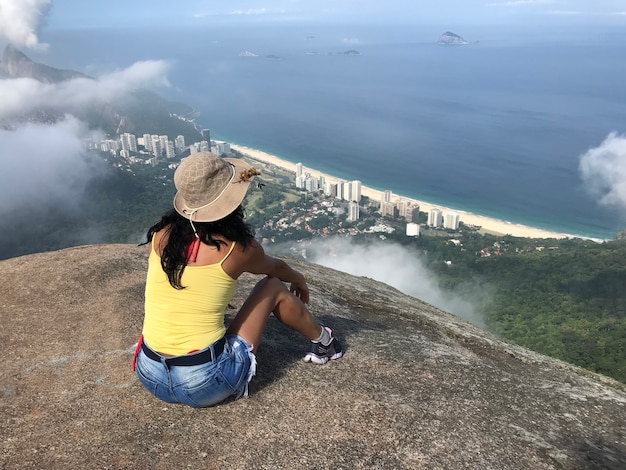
x=271 y=295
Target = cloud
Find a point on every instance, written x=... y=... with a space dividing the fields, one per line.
x=401 y=268
x=43 y=165
x=21 y=96
x=250 y=11
x=603 y=171
x=19 y=20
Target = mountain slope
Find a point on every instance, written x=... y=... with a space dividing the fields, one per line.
x=418 y=388
x=140 y=112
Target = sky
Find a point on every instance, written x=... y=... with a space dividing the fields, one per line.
x=432 y=11
x=20 y=20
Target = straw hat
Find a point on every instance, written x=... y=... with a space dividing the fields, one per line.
x=210 y=187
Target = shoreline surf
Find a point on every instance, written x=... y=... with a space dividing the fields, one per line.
x=487 y=224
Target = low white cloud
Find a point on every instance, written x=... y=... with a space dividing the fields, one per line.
x=44 y=164
x=20 y=19
x=20 y=96
x=603 y=171
x=351 y=40
x=250 y=11
x=401 y=268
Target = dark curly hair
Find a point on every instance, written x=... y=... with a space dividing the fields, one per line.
x=180 y=235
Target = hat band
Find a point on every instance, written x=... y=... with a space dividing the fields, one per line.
x=191 y=211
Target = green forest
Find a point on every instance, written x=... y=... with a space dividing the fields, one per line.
x=562 y=298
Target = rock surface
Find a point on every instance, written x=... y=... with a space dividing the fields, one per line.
x=418 y=388
x=451 y=39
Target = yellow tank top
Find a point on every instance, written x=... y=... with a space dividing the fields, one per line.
x=178 y=321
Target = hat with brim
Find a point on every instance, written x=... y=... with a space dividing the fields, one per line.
x=210 y=187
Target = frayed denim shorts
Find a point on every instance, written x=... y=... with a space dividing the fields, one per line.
x=204 y=384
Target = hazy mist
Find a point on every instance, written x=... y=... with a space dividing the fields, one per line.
x=402 y=268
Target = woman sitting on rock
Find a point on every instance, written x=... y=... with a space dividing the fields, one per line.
x=196 y=253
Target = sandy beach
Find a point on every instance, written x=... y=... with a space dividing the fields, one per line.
x=489 y=225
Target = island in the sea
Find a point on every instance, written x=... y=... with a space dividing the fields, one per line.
x=451 y=39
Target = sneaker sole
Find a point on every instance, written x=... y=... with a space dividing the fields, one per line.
x=321 y=360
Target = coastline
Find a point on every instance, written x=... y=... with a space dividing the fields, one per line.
x=487 y=224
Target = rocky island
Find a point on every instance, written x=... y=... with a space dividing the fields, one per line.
x=451 y=39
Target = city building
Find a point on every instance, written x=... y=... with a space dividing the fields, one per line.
x=179 y=144
x=330 y=189
x=300 y=181
x=435 y=218
x=451 y=221
x=206 y=135
x=412 y=230
x=353 y=211
x=155 y=146
x=355 y=191
x=220 y=148
x=170 y=151
x=298 y=169
x=310 y=184
x=389 y=209
x=147 y=142
x=128 y=142
x=385 y=197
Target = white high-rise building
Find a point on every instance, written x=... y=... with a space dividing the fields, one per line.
x=300 y=181
x=355 y=191
x=205 y=146
x=346 y=191
x=179 y=144
x=386 y=197
x=330 y=189
x=170 y=151
x=155 y=146
x=435 y=218
x=310 y=184
x=353 y=211
x=129 y=142
x=412 y=230
x=388 y=209
x=163 y=141
x=298 y=169
x=451 y=221
x=147 y=142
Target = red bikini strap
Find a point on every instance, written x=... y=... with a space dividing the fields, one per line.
x=192 y=250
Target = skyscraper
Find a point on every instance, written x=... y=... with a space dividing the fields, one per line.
x=179 y=143
x=353 y=211
x=451 y=220
x=435 y=219
x=206 y=135
x=355 y=191
x=129 y=142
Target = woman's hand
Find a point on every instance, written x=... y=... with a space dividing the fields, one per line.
x=300 y=288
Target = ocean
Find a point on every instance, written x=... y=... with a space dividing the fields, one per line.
x=496 y=127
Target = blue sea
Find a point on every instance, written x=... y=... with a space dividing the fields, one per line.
x=496 y=127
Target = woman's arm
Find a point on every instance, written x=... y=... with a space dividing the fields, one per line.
x=253 y=259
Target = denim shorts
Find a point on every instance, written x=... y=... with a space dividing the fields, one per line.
x=204 y=384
